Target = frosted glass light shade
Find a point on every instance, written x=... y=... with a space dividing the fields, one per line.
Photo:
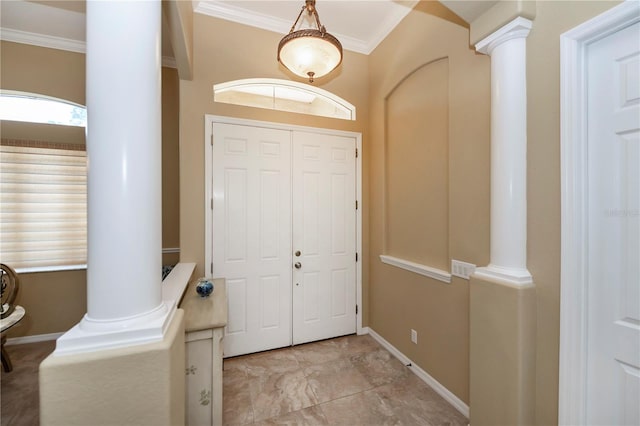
x=310 y=53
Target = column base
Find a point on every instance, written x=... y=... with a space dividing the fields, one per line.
x=142 y=385
x=90 y=335
x=511 y=276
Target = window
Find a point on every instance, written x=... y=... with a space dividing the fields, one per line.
x=20 y=106
x=43 y=191
x=283 y=95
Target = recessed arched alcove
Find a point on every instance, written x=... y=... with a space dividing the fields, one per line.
x=284 y=95
x=417 y=166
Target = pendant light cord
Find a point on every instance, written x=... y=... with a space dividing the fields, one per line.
x=310 y=6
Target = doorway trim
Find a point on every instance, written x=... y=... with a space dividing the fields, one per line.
x=208 y=199
x=574 y=205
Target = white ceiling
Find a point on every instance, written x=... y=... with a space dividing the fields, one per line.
x=359 y=24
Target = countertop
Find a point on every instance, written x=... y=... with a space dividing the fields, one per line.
x=202 y=313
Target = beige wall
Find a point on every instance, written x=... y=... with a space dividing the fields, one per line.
x=170 y=163
x=225 y=51
x=452 y=167
x=417 y=150
x=55 y=301
x=543 y=91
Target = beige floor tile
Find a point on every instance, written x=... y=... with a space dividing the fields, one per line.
x=415 y=403
x=361 y=409
x=271 y=362
x=354 y=344
x=317 y=353
x=312 y=416
x=279 y=394
x=336 y=379
x=379 y=367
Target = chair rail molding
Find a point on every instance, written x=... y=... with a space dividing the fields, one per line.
x=407 y=265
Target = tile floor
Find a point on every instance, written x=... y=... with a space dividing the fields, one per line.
x=350 y=380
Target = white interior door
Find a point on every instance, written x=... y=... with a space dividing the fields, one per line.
x=613 y=315
x=251 y=234
x=324 y=236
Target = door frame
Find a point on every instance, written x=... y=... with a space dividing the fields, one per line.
x=574 y=205
x=209 y=120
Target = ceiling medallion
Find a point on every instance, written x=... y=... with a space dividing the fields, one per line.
x=310 y=53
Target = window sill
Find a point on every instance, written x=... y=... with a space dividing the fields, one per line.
x=37 y=269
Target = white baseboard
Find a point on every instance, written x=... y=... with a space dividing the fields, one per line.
x=33 y=339
x=457 y=403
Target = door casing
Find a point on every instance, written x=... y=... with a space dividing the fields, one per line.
x=574 y=205
x=208 y=193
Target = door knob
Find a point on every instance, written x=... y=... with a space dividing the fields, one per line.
x=298 y=265
x=297 y=253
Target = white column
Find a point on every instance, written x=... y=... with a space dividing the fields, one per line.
x=124 y=294
x=507 y=48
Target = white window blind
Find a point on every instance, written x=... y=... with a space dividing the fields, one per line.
x=43 y=204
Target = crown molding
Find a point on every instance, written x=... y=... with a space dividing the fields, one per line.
x=392 y=20
x=60 y=43
x=35 y=39
x=281 y=26
x=242 y=16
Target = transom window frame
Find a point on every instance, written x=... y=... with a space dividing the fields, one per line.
x=288 y=87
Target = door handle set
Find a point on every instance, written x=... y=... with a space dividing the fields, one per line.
x=297 y=265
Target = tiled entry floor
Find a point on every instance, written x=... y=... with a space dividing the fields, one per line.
x=350 y=380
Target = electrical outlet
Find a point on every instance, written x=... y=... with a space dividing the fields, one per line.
x=414 y=336
x=462 y=269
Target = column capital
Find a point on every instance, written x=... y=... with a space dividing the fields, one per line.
x=518 y=28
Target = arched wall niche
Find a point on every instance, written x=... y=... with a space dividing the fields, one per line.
x=416 y=220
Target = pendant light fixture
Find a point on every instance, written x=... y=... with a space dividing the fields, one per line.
x=311 y=53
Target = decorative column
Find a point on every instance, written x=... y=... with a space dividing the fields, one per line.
x=507 y=48
x=124 y=294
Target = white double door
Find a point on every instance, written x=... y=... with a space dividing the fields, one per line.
x=284 y=235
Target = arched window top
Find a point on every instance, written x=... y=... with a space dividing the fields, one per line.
x=283 y=95
x=35 y=108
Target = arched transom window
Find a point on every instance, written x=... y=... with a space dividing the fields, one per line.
x=283 y=95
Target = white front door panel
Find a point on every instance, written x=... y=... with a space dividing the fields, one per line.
x=251 y=242
x=324 y=234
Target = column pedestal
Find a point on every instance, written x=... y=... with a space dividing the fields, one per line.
x=502 y=297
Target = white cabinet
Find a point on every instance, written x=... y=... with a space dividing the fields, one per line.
x=205 y=319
